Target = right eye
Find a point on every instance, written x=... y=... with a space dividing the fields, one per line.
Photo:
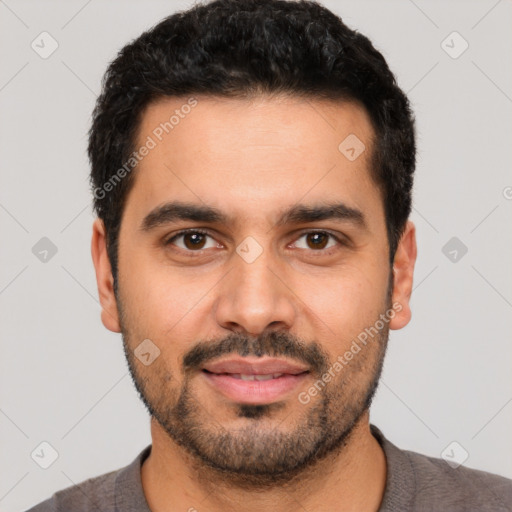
x=192 y=240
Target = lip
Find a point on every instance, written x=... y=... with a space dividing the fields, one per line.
x=254 y=366
x=224 y=377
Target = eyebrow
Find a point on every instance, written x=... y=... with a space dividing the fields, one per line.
x=177 y=210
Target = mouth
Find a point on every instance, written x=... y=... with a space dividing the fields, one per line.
x=254 y=380
x=249 y=377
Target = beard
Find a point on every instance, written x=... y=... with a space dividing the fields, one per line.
x=261 y=451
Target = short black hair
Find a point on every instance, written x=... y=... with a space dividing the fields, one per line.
x=243 y=48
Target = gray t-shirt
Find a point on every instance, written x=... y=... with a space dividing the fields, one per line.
x=414 y=482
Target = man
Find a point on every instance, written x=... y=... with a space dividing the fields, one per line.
x=252 y=166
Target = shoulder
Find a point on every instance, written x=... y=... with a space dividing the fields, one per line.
x=419 y=482
x=120 y=489
x=462 y=487
x=97 y=493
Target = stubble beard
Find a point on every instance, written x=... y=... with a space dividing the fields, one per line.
x=260 y=454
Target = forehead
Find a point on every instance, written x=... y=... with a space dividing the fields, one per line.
x=251 y=157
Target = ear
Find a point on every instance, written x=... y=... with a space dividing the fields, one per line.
x=104 y=278
x=403 y=270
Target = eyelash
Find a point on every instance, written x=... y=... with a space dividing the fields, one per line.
x=206 y=233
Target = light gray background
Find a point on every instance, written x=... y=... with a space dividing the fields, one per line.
x=64 y=379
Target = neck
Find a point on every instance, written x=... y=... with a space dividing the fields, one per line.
x=352 y=479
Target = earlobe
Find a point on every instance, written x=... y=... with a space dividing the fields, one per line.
x=403 y=271
x=104 y=278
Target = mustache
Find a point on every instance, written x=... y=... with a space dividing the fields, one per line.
x=271 y=343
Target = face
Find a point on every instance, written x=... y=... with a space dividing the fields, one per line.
x=253 y=257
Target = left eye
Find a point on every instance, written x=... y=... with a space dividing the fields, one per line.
x=317 y=240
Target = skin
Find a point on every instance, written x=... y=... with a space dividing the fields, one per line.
x=252 y=159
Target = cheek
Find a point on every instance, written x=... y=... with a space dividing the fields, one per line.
x=163 y=305
x=346 y=301
x=158 y=295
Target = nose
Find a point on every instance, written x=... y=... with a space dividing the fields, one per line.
x=255 y=296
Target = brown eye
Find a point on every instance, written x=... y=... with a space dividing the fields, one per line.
x=317 y=241
x=192 y=241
